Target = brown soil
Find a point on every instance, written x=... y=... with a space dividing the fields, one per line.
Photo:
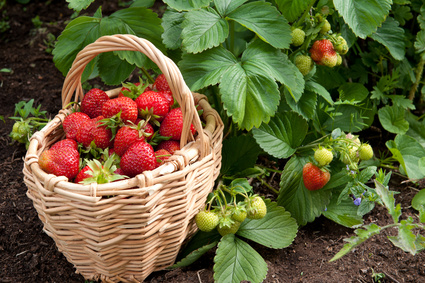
x=27 y=254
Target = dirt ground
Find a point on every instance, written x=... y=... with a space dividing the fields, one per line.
x=27 y=254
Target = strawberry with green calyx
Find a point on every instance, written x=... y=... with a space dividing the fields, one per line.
x=161 y=83
x=21 y=131
x=92 y=102
x=329 y=59
x=153 y=105
x=326 y=27
x=129 y=134
x=304 y=63
x=161 y=156
x=298 y=37
x=123 y=105
x=137 y=158
x=172 y=125
x=365 y=152
x=73 y=122
x=60 y=161
x=323 y=156
x=96 y=172
x=231 y=229
x=256 y=208
x=94 y=131
x=323 y=53
x=239 y=213
x=134 y=90
x=341 y=45
x=206 y=220
x=315 y=178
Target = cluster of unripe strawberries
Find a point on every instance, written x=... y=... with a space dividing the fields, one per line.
x=124 y=136
x=326 y=49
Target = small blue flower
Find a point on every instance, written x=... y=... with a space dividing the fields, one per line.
x=358 y=201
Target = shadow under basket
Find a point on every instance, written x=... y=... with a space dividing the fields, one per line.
x=125 y=230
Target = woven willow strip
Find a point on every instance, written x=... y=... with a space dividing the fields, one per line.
x=125 y=230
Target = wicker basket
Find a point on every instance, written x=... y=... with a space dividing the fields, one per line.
x=125 y=230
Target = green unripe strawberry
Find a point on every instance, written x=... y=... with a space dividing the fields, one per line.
x=339 y=59
x=304 y=63
x=326 y=27
x=256 y=208
x=298 y=36
x=232 y=229
x=239 y=214
x=20 y=131
x=341 y=45
x=206 y=220
x=365 y=152
x=351 y=156
x=323 y=156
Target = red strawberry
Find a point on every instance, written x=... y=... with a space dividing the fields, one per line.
x=62 y=161
x=139 y=157
x=93 y=101
x=315 y=178
x=65 y=143
x=170 y=146
x=152 y=104
x=329 y=59
x=72 y=122
x=84 y=135
x=168 y=95
x=161 y=83
x=93 y=131
x=83 y=174
x=125 y=105
x=161 y=155
x=125 y=137
x=172 y=125
x=319 y=48
x=149 y=131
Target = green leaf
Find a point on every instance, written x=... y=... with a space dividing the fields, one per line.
x=349 y=119
x=392 y=119
x=388 y=200
x=306 y=105
x=304 y=205
x=420 y=42
x=391 y=35
x=262 y=59
x=353 y=92
x=78 y=5
x=419 y=200
x=207 y=68
x=203 y=29
x=363 y=234
x=363 y=16
x=239 y=153
x=406 y=239
x=171 y=22
x=292 y=9
x=266 y=21
x=194 y=256
x=112 y=69
x=187 y=5
x=276 y=230
x=344 y=213
x=225 y=7
x=236 y=261
x=416 y=128
x=319 y=90
x=407 y=151
x=199 y=241
x=250 y=100
x=282 y=135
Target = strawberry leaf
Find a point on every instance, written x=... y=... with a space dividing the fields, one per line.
x=292 y=9
x=236 y=261
x=391 y=35
x=194 y=255
x=275 y=230
x=282 y=135
x=266 y=21
x=183 y=5
x=171 y=22
x=78 y=5
x=203 y=29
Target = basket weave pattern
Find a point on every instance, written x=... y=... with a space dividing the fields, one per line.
x=125 y=230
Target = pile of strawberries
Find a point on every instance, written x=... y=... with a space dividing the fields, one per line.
x=124 y=136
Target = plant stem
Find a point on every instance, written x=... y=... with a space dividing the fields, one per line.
x=267 y=185
x=306 y=12
x=145 y=72
x=419 y=71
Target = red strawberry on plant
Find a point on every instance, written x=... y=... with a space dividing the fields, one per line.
x=93 y=101
x=152 y=105
x=161 y=155
x=123 y=105
x=139 y=157
x=323 y=50
x=170 y=145
x=172 y=125
x=72 y=122
x=161 y=83
x=315 y=178
x=62 y=161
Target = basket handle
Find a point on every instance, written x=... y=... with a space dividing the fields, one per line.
x=118 y=42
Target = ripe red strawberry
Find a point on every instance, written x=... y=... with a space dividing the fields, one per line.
x=139 y=157
x=152 y=104
x=125 y=105
x=172 y=125
x=62 y=161
x=319 y=48
x=168 y=95
x=93 y=101
x=65 y=143
x=83 y=174
x=161 y=83
x=149 y=131
x=92 y=130
x=72 y=122
x=125 y=137
x=315 y=178
x=169 y=145
x=161 y=155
